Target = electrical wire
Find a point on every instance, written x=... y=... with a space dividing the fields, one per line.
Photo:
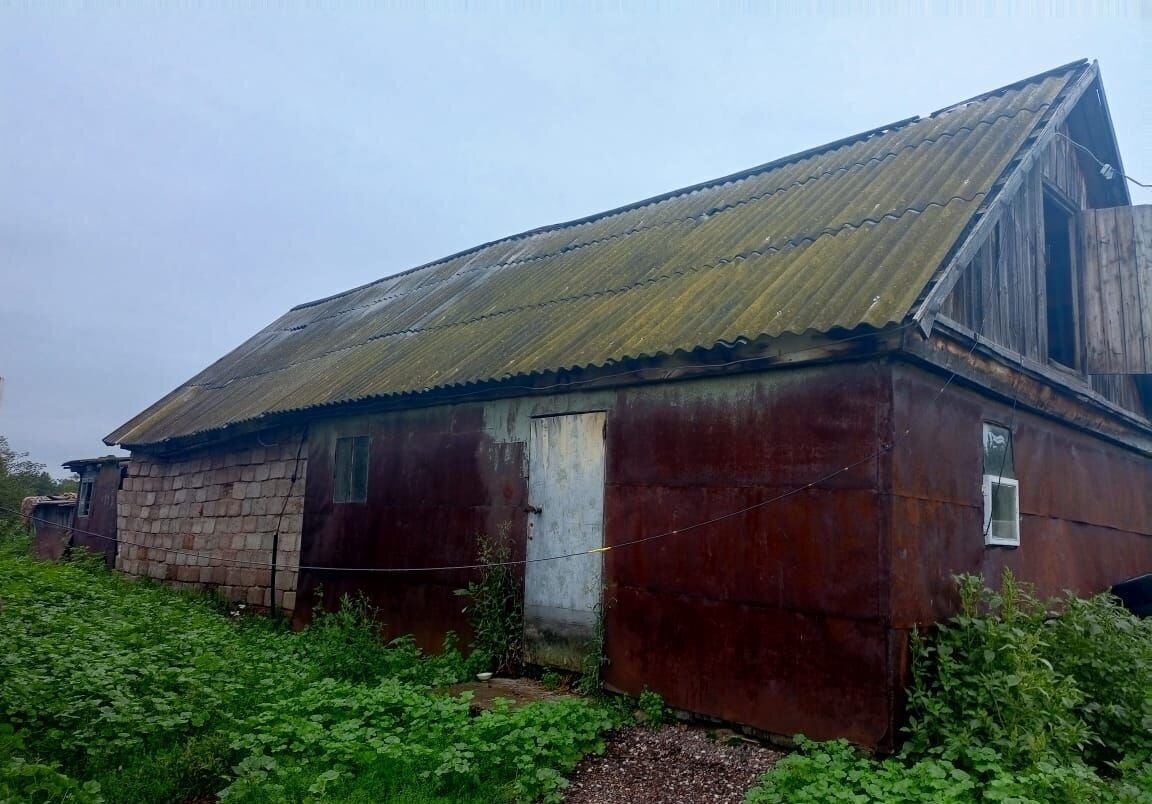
x=1103 y=165
x=884 y=448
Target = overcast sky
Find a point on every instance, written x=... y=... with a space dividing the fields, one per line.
x=171 y=181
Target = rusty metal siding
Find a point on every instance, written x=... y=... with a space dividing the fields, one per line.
x=51 y=529
x=436 y=483
x=775 y=618
x=790 y=617
x=97 y=530
x=1086 y=511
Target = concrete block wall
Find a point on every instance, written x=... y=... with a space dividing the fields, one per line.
x=194 y=520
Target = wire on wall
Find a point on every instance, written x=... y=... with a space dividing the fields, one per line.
x=883 y=449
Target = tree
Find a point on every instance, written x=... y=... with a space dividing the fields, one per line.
x=21 y=477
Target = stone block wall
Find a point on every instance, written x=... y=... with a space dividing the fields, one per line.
x=207 y=518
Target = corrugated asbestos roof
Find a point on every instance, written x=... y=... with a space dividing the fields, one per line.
x=841 y=236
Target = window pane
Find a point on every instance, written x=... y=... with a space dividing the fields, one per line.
x=342 y=470
x=1003 y=503
x=350 y=470
x=998 y=457
x=359 y=480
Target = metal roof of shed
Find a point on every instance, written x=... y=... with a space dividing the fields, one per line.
x=846 y=235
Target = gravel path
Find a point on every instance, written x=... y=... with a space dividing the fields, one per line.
x=669 y=765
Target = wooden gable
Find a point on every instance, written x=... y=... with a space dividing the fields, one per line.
x=1114 y=252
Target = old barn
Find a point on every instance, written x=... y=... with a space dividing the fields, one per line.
x=791 y=403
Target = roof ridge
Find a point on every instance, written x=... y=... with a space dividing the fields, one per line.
x=726 y=207
x=1072 y=65
x=672 y=194
x=792 y=242
x=737 y=176
x=688 y=190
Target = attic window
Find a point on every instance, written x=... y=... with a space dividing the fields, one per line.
x=350 y=480
x=1001 y=489
x=1058 y=282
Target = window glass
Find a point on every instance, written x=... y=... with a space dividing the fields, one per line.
x=1001 y=488
x=350 y=474
x=998 y=458
x=84 y=498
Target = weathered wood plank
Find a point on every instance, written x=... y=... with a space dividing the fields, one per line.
x=1142 y=257
x=978 y=234
x=1114 y=250
x=1130 y=313
x=1093 y=322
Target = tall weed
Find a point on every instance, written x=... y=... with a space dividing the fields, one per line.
x=496 y=606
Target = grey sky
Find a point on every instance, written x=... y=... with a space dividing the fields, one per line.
x=171 y=181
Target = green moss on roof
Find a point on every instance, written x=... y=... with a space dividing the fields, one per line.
x=838 y=237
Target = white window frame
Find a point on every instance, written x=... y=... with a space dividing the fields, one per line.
x=994 y=534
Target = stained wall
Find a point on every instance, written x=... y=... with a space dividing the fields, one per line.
x=208 y=518
x=776 y=617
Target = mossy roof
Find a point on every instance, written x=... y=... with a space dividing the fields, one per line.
x=846 y=235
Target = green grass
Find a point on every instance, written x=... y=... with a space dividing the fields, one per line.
x=125 y=691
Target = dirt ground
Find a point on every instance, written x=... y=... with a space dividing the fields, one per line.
x=519 y=691
x=672 y=764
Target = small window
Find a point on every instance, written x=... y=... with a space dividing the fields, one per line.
x=1001 y=488
x=84 y=498
x=350 y=483
x=1059 y=287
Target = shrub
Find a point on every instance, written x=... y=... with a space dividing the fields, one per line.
x=1009 y=702
x=984 y=690
x=652 y=708
x=496 y=606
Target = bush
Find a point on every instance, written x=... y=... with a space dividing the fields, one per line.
x=984 y=690
x=652 y=708
x=1009 y=702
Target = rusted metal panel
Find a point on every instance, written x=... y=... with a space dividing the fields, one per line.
x=1115 y=254
x=436 y=483
x=1086 y=511
x=562 y=598
x=51 y=528
x=780 y=670
x=96 y=531
x=775 y=617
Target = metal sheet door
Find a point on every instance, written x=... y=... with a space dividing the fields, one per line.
x=566 y=489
